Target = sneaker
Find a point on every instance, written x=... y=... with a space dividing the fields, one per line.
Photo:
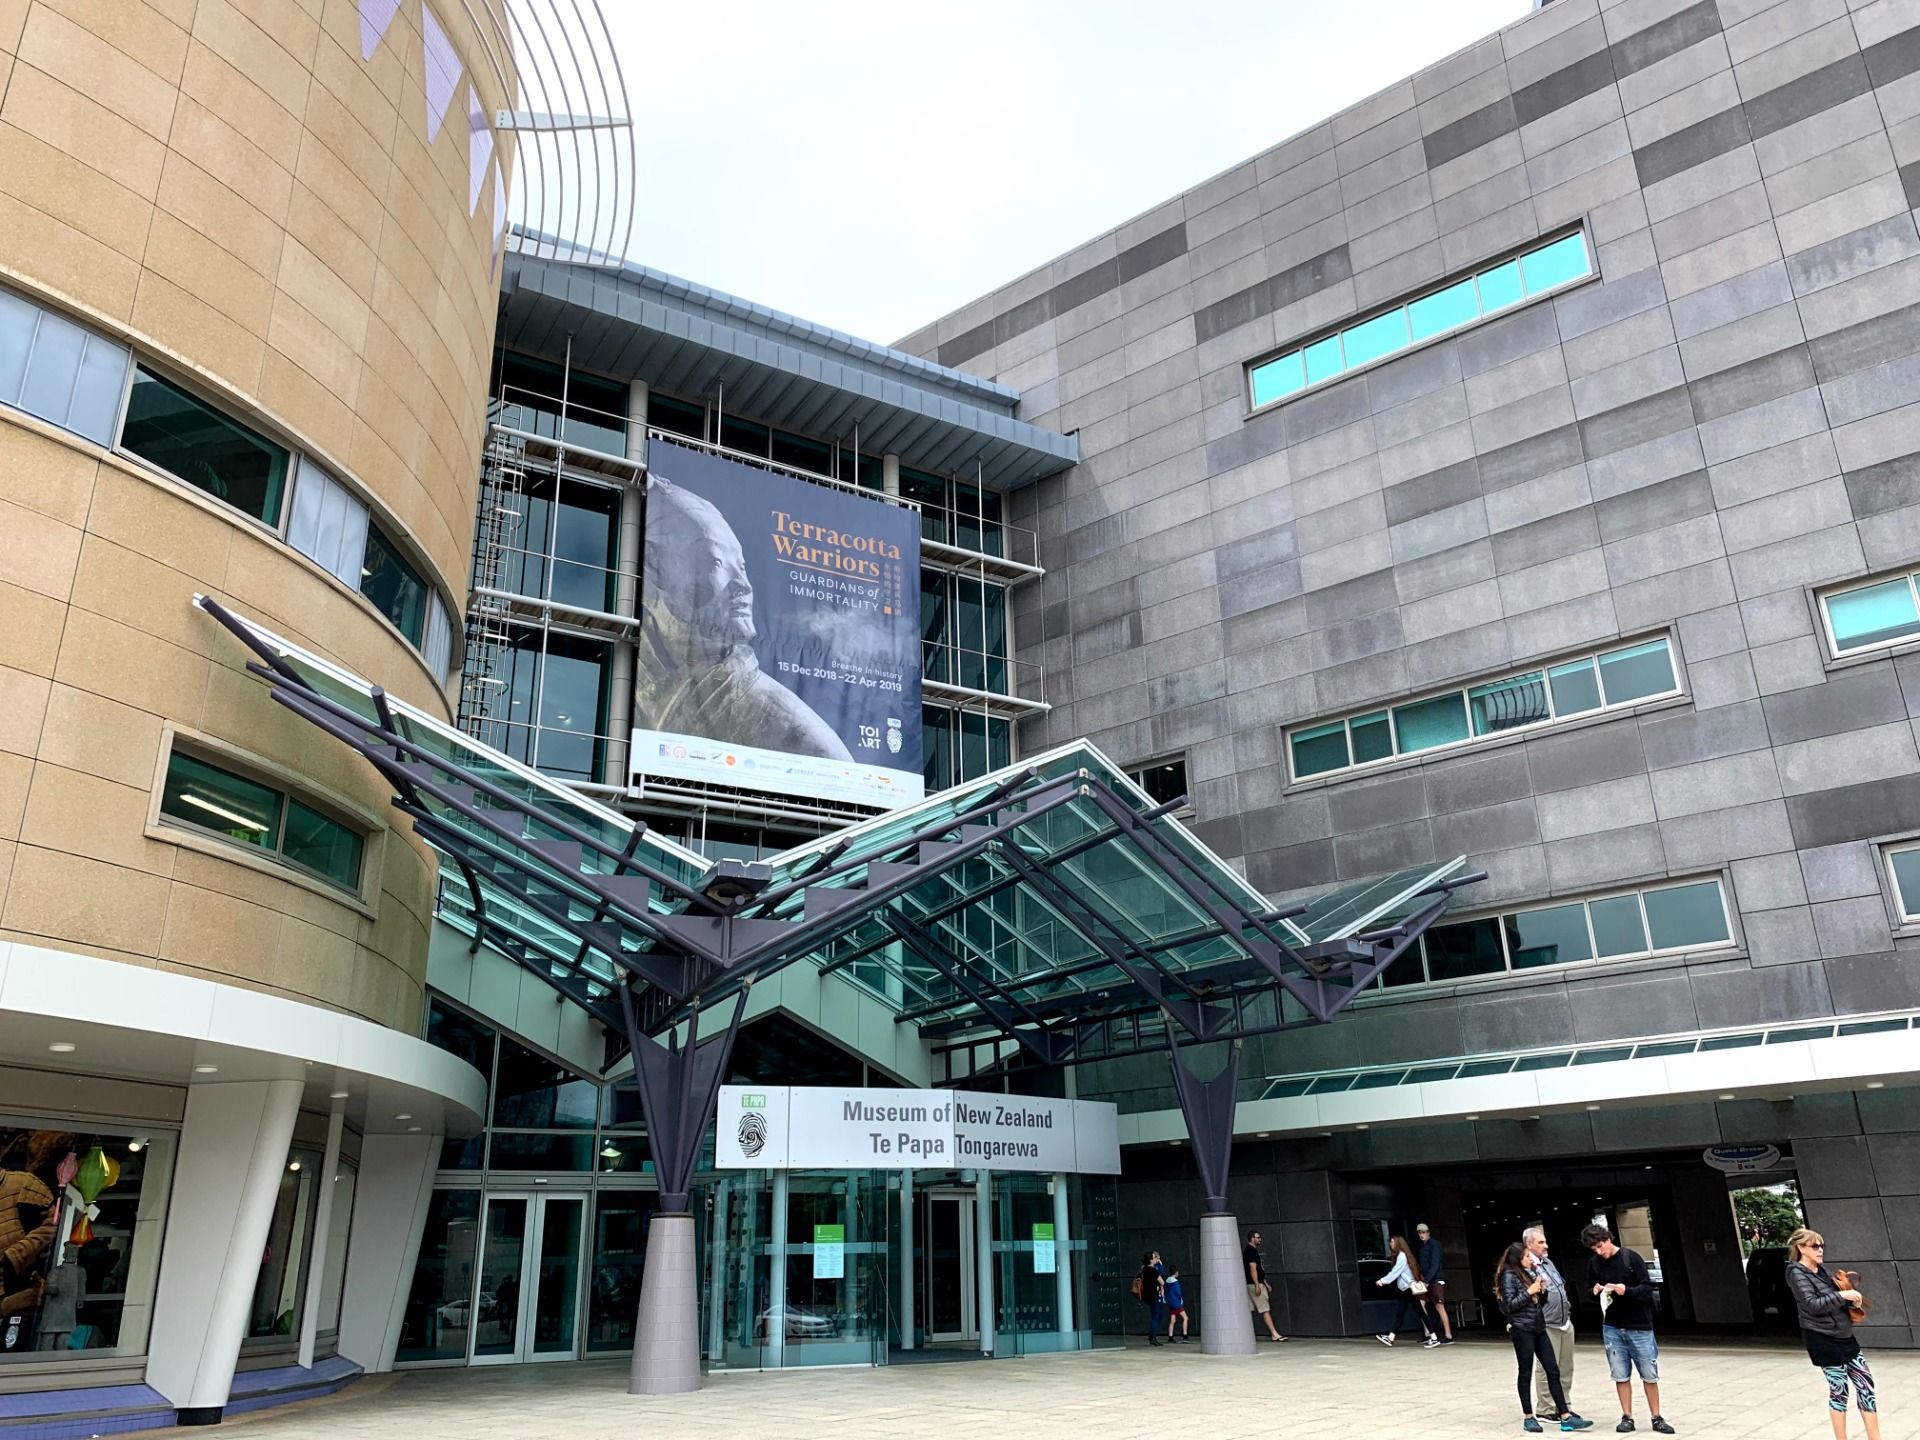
x=1386 y=1340
x=1574 y=1422
x=1625 y=1426
x=1446 y=1340
x=1430 y=1343
x=1661 y=1425
x=1530 y=1425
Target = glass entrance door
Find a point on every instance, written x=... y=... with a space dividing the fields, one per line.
x=950 y=1288
x=526 y=1301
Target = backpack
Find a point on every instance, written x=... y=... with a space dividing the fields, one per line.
x=1135 y=1287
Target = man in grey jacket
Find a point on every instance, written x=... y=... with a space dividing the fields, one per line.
x=1557 y=1311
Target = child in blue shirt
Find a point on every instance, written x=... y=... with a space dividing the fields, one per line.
x=1176 y=1306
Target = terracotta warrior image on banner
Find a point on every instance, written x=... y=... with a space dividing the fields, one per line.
x=780 y=634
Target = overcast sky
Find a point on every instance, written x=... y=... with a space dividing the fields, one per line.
x=872 y=166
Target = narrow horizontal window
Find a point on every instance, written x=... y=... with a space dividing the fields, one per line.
x=190 y=440
x=1538 y=272
x=1883 y=613
x=214 y=800
x=328 y=525
x=1691 y=915
x=58 y=371
x=1905 y=865
x=1624 y=676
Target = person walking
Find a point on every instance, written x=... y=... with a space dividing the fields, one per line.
x=1518 y=1288
x=1176 y=1306
x=1620 y=1281
x=1556 y=1312
x=1406 y=1275
x=1259 y=1293
x=1826 y=1327
x=1151 y=1291
x=1432 y=1261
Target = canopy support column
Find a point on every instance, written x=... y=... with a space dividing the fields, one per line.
x=1208 y=1106
x=678 y=1087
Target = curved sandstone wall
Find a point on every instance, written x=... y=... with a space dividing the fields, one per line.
x=245 y=192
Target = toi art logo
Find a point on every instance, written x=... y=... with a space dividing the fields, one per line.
x=893 y=735
x=752 y=1133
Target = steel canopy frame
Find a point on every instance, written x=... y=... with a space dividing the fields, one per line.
x=646 y=936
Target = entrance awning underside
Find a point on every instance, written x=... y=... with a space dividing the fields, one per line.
x=1049 y=913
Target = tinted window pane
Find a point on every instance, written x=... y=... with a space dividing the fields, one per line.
x=17 y=321
x=1456 y=951
x=1635 y=672
x=1500 y=286
x=536 y=1092
x=1455 y=305
x=1873 y=616
x=1323 y=359
x=213 y=799
x=52 y=369
x=96 y=398
x=1504 y=704
x=1555 y=264
x=393 y=586
x=1548 y=937
x=1906 y=872
x=1163 y=783
x=1372 y=737
x=1575 y=688
x=439 y=1309
x=1320 y=749
x=167 y=427
x=1617 y=928
x=1278 y=378
x=1686 y=915
x=321 y=845
x=1427 y=723
x=540 y=1152
x=1373 y=338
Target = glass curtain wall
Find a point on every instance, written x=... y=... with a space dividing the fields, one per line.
x=557 y=688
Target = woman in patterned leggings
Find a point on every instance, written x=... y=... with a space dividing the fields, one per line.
x=1827 y=1328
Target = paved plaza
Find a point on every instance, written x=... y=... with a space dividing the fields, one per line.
x=1304 y=1388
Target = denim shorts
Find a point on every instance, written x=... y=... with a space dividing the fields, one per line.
x=1630 y=1350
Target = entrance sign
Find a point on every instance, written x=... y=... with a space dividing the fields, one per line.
x=829 y=1252
x=800 y=1127
x=780 y=634
x=1043 y=1263
x=1741 y=1159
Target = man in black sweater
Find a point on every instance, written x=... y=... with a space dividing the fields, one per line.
x=1619 y=1280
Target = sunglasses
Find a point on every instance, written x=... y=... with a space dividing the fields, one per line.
x=1816 y=1245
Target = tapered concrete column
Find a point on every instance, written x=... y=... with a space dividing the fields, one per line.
x=666 y=1352
x=983 y=1255
x=322 y=1234
x=233 y=1147
x=890 y=474
x=1062 y=1259
x=906 y=1260
x=1226 y=1326
x=391 y=1199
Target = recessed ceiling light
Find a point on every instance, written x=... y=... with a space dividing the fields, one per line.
x=403 y=1116
x=293 y=1165
x=1593 y=1107
x=206 y=1069
x=413 y=1129
x=1359 y=1127
x=338 y=1095
x=1264 y=1134
x=1473 y=1117
x=1876 y=1084
x=63 y=1047
x=1726 y=1095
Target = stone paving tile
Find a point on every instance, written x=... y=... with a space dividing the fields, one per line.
x=1727 y=1390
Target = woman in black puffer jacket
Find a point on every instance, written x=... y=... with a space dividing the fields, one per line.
x=1826 y=1325
x=1518 y=1292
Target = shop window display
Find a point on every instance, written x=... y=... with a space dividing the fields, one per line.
x=69 y=1203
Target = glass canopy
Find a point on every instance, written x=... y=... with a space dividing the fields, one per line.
x=1052 y=902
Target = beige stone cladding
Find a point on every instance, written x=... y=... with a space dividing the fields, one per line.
x=230 y=188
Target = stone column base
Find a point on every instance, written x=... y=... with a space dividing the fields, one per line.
x=666 y=1332
x=1226 y=1325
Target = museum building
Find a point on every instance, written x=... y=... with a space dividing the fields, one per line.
x=1508 y=477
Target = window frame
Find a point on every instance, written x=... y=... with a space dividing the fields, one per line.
x=1472 y=273
x=1137 y=775
x=1835 y=652
x=1586 y=901
x=199 y=395
x=1464 y=690
x=1903 y=917
x=168 y=829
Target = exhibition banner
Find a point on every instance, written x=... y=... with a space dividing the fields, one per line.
x=807 y=1127
x=780 y=634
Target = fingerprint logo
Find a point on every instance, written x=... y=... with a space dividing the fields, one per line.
x=752 y=1133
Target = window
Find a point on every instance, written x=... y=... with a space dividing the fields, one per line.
x=394 y=586
x=960 y=745
x=1538 y=272
x=550 y=707
x=1905 y=866
x=58 y=372
x=1690 y=915
x=215 y=801
x=1164 y=781
x=1611 y=679
x=963 y=631
x=1867 y=616
x=192 y=441
x=328 y=525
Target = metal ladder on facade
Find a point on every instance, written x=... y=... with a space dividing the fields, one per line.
x=484 y=697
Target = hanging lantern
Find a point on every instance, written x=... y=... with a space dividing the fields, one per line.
x=82 y=1231
x=113 y=1173
x=91 y=1178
